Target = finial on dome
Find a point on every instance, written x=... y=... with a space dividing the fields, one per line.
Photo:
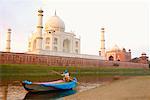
x=55 y=13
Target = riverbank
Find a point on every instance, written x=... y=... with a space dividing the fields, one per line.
x=15 y=73
x=135 y=88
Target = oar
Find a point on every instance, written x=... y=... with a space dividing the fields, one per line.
x=56 y=72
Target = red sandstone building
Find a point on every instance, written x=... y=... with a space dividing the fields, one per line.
x=143 y=59
x=116 y=54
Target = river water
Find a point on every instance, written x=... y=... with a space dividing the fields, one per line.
x=13 y=92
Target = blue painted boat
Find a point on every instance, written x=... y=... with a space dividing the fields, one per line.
x=49 y=86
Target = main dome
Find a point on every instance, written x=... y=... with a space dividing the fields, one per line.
x=55 y=23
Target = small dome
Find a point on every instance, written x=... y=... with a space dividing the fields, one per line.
x=55 y=23
x=123 y=49
x=115 y=48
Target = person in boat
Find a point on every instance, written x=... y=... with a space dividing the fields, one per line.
x=66 y=76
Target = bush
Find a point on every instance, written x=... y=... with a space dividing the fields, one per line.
x=115 y=64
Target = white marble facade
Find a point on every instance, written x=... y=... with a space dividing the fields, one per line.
x=53 y=37
x=53 y=40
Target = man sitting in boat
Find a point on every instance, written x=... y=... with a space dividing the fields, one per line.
x=66 y=75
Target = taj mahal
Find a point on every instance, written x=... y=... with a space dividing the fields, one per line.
x=54 y=38
x=51 y=40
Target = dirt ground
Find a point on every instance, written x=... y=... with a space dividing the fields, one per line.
x=136 y=88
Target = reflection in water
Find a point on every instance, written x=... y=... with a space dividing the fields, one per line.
x=48 y=95
x=4 y=91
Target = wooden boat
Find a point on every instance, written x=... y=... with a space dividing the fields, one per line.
x=49 y=86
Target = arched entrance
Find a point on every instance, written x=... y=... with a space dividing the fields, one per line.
x=111 y=58
x=66 y=45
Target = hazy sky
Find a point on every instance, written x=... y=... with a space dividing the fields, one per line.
x=126 y=22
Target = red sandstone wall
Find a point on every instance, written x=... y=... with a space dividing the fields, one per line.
x=22 y=58
x=123 y=64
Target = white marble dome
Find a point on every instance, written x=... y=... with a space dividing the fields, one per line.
x=55 y=23
x=115 y=48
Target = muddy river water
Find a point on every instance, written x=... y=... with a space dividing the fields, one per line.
x=13 y=92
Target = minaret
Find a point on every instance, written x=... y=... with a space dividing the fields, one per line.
x=8 y=40
x=102 y=48
x=55 y=13
x=39 y=30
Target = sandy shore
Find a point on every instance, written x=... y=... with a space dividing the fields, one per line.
x=136 y=88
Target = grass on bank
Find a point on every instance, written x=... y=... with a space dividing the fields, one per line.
x=41 y=72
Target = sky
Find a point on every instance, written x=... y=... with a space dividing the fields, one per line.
x=126 y=22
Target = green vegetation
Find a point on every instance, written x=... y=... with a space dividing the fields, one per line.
x=15 y=72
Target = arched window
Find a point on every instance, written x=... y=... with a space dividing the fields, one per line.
x=34 y=44
x=55 y=41
x=55 y=48
x=66 y=45
x=111 y=58
x=29 y=44
x=77 y=44
x=47 y=41
x=76 y=51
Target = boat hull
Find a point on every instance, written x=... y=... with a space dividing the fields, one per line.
x=49 y=86
x=37 y=88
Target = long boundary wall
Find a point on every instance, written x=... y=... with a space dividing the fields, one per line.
x=23 y=58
